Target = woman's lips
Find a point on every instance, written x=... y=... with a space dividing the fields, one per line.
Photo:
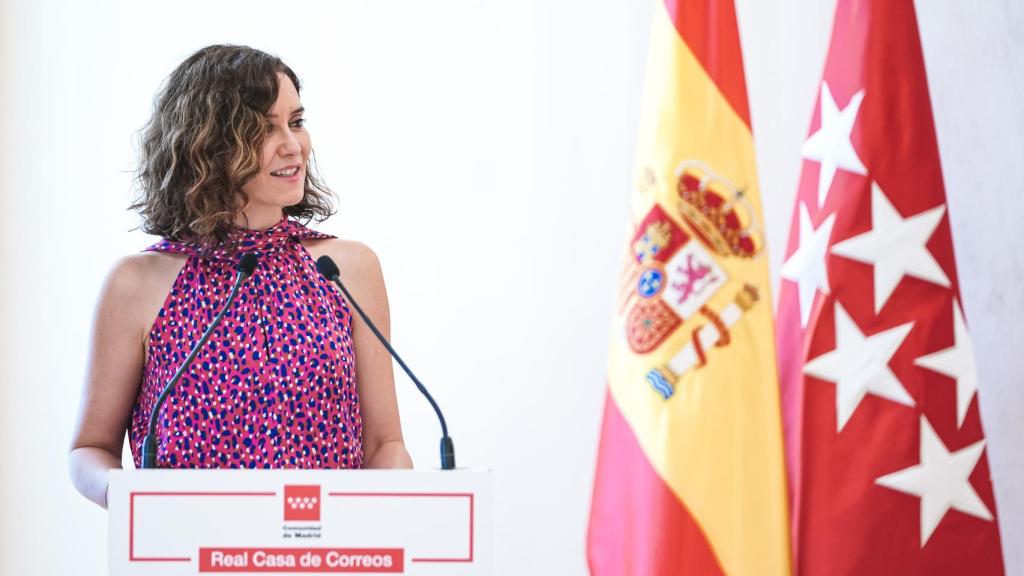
x=288 y=173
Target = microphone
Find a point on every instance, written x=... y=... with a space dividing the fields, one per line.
x=329 y=269
x=246 y=266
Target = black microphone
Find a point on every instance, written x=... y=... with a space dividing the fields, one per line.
x=329 y=269
x=246 y=266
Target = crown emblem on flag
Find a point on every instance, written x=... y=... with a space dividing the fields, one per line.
x=717 y=211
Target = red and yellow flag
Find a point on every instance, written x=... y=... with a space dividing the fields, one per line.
x=690 y=474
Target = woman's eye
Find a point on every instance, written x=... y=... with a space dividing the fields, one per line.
x=298 y=123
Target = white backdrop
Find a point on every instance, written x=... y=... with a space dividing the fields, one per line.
x=484 y=150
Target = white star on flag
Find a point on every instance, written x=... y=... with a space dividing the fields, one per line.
x=941 y=481
x=895 y=246
x=831 y=145
x=957 y=362
x=860 y=365
x=806 y=266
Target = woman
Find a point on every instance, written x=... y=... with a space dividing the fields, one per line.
x=290 y=378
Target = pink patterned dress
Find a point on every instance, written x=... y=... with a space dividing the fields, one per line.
x=275 y=385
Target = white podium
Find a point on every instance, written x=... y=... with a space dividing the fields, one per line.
x=165 y=522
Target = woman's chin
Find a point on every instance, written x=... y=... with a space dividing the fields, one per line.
x=289 y=196
x=294 y=199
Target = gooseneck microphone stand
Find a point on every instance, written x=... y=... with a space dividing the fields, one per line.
x=329 y=269
x=246 y=266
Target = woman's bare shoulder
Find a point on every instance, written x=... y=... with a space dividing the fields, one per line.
x=145 y=270
x=137 y=286
x=353 y=258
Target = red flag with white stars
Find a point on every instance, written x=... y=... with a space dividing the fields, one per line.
x=885 y=446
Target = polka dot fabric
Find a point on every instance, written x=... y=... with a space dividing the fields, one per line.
x=274 y=386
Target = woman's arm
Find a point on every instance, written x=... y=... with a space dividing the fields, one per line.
x=383 y=445
x=112 y=379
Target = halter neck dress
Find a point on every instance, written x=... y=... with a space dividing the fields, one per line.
x=275 y=385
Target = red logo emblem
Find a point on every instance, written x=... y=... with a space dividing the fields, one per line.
x=301 y=503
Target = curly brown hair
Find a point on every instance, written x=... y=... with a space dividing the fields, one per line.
x=203 y=143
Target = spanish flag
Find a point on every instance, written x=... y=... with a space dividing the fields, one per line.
x=690 y=473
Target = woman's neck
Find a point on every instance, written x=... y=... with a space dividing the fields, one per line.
x=254 y=219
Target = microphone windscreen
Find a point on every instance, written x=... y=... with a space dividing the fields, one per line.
x=327 y=267
x=247 y=264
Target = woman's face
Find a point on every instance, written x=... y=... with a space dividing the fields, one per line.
x=282 y=174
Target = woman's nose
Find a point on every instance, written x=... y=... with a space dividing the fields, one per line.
x=290 y=145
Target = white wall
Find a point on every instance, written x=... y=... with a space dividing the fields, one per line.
x=8 y=471
x=484 y=149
